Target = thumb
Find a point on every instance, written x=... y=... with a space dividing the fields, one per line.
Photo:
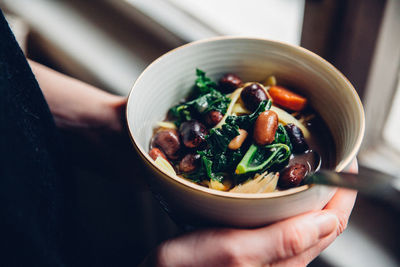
x=293 y=236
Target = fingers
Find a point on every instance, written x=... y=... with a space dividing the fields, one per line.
x=308 y=255
x=341 y=205
x=343 y=201
x=293 y=242
x=263 y=246
x=294 y=236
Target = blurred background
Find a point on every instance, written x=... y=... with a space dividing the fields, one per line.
x=108 y=43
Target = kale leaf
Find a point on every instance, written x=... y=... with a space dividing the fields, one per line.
x=282 y=137
x=260 y=158
x=207 y=98
x=203 y=84
x=216 y=158
x=246 y=121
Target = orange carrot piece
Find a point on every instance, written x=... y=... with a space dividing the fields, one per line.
x=286 y=98
x=155 y=153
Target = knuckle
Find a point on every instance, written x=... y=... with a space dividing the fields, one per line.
x=232 y=253
x=342 y=217
x=293 y=242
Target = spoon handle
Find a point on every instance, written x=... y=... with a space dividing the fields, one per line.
x=368 y=182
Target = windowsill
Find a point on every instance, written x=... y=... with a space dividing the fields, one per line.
x=191 y=20
x=382 y=157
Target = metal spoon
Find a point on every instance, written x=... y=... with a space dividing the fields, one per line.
x=369 y=182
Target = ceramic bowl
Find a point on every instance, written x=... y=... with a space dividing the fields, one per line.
x=170 y=78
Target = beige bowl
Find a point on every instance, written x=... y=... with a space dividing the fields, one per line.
x=170 y=78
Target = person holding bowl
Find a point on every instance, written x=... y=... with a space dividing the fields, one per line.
x=37 y=210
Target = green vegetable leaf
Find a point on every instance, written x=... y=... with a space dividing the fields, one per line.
x=203 y=84
x=207 y=98
x=214 y=100
x=181 y=113
x=282 y=137
x=260 y=158
x=246 y=121
x=217 y=159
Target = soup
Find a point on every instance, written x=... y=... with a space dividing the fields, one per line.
x=248 y=137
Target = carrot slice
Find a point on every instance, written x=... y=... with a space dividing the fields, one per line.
x=286 y=98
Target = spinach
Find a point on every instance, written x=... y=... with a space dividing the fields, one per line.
x=203 y=84
x=246 y=121
x=260 y=158
x=207 y=98
x=181 y=113
x=217 y=159
x=282 y=137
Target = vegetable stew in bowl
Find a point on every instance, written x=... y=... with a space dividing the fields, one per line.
x=244 y=137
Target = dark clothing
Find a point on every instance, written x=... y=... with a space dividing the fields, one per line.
x=53 y=215
x=36 y=225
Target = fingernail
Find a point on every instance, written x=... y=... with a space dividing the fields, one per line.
x=326 y=223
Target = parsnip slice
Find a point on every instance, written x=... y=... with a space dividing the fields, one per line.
x=165 y=166
x=263 y=183
x=286 y=118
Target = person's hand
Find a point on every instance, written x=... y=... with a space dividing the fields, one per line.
x=293 y=242
x=93 y=126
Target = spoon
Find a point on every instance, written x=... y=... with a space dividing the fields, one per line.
x=369 y=182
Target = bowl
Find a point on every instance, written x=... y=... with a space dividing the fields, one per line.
x=170 y=78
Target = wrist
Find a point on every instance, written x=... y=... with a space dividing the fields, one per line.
x=113 y=113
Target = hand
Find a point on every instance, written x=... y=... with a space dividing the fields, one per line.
x=93 y=126
x=293 y=242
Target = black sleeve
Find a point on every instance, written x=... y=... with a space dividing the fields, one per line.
x=35 y=195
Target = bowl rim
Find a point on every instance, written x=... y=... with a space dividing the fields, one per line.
x=277 y=194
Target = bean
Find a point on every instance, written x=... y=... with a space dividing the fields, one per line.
x=155 y=153
x=168 y=141
x=238 y=140
x=292 y=176
x=213 y=117
x=296 y=138
x=265 y=127
x=252 y=95
x=229 y=82
x=193 y=133
x=189 y=163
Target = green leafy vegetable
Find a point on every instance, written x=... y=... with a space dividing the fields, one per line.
x=217 y=160
x=181 y=113
x=282 y=137
x=203 y=84
x=260 y=158
x=246 y=121
x=207 y=98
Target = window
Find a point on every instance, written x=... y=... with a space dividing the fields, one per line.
x=192 y=20
x=381 y=148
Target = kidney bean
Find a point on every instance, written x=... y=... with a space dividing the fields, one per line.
x=238 y=140
x=168 y=141
x=229 y=82
x=265 y=127
x=189 y=163
x=297 y=138
x=193 y=133
x=292 y=176
x=252 y=95
x=213 y=117
x=155 y=153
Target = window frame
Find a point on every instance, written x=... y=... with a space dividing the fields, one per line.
x=381 y=87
